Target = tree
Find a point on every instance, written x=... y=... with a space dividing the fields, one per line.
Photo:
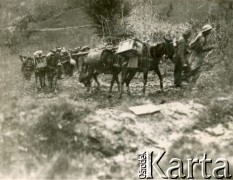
x=107 y=15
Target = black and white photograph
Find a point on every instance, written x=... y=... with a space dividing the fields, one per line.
x=116 y=89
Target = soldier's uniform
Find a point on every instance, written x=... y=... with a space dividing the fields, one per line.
x=179 y=58
x=198 y=49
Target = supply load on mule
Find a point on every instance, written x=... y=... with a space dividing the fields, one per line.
x=40 y=59
x=130 y=48
x=83 y=51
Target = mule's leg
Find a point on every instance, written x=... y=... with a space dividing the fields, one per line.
x=36 y=81
x=145 y=76
x=114 y=78
x=118 y=82
x=90 y=74
x=49 y=80
x=40 y=79
x=64 y=70
x=157 y=70
x=96 y=80
x=55 y=77
x=43 y=79
x=123 y=80
x=72 y=68
x=54 y=80
x=128 y=80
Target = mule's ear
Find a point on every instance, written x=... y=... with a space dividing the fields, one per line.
x=166 y=39
x=21 y=58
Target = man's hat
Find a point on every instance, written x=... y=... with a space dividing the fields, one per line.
x=187 y=32
x=207 y=27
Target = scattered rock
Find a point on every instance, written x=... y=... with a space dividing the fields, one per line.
x=218 y=130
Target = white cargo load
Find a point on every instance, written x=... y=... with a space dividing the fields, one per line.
x=130 y=48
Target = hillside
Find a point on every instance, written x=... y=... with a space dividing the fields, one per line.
x=69 y=28
x=68 y=18
x=47 y=18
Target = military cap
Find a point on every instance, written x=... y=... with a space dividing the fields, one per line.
x=207 y=27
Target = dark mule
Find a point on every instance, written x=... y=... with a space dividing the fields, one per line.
x=156 y=53
x=97 y=62
x=128 y=73
x=40 y=71
x=53 y=65
x=27 y=66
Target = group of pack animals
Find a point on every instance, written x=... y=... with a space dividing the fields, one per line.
x=91 y=63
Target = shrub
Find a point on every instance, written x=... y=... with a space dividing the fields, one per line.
x=219 y=111
x=105 y=14
x=55 y=128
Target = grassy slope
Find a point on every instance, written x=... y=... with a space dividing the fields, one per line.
x=69 y=38
x=73 y=17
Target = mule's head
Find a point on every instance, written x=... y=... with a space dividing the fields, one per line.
x=27 y=67
x=52 y=60
x=168 y=48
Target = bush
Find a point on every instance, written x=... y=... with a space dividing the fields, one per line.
x=55 y=129
x=105 y=14
x=219 y=111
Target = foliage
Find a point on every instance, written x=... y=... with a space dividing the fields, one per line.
x=107 y=15
x=149 y=20
x=219 y=111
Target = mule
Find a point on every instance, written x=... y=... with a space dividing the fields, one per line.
x=53 y=65
x=40 y=72
x=156 y=53
x=128 y=73
x=148 y=60
x=27 y=68
x=101 y=61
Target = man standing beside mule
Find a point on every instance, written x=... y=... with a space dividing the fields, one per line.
x=198 y=48
x=179 y=57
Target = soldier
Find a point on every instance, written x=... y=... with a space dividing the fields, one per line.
x=198 y=48
x=179 y=59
